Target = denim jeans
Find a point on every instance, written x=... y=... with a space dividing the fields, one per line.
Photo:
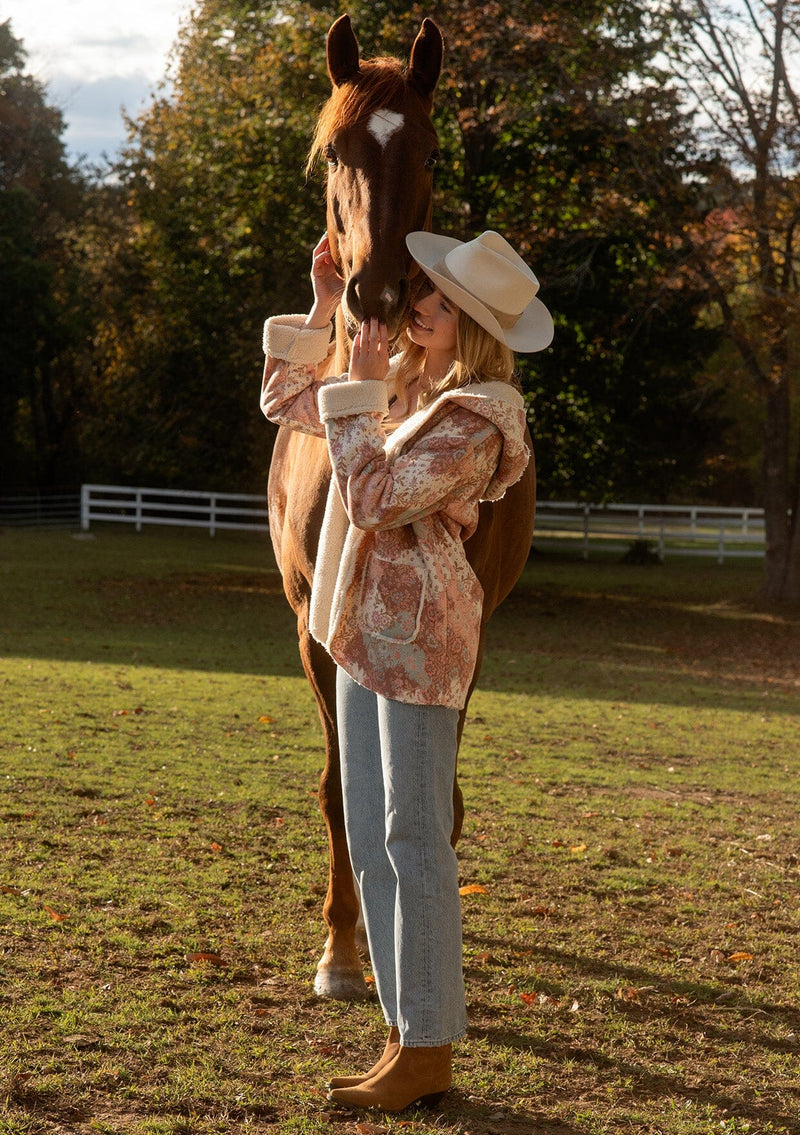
x=398 y=764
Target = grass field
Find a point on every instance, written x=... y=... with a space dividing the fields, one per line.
x=630 y=767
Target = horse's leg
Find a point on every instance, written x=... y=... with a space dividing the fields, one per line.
x=339 y=970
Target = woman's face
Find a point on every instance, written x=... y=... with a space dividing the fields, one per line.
x=433 y=320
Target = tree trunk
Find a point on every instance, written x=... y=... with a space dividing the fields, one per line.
x=792 y=582
x=777 y=520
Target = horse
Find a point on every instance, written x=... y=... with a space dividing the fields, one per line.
x=376 y=134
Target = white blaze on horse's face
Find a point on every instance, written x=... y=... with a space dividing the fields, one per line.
x=384 y=123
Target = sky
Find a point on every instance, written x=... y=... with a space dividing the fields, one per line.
x=95 y=57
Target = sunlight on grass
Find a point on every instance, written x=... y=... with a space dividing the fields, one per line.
x=630 y=853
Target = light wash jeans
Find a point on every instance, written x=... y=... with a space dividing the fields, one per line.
x=398 y=764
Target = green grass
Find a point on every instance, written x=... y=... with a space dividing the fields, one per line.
x=630 y=769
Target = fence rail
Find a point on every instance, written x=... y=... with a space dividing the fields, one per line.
x=41 y=510
x=667 y=530
x=186 y=508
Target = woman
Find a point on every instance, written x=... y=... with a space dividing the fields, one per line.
x=415 y=443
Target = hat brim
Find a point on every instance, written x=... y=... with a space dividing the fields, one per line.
x=532 y=331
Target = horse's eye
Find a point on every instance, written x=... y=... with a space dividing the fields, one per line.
x=331 y=156
x=432 y=159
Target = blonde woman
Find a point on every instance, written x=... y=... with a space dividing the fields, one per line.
x=415 y=442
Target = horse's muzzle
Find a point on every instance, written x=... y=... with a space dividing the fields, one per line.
x=366 y=298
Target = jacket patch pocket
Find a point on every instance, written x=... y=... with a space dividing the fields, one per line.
x=392 y=598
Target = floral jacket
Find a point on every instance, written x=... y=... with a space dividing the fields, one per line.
x=394 y=600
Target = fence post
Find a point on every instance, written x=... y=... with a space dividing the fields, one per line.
x=138 y=511
x=586 y=531
x=85 y=508
x=212 y=514
x=721 y=545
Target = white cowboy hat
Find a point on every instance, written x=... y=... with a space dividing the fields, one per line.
x=488 y=280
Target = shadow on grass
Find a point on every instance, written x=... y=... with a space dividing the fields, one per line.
x=689 y=1010
x=645 y=1084
x=501 y=1119
x=693 y=998
x=686 y=636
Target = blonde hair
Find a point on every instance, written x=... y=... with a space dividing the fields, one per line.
x=479 y=358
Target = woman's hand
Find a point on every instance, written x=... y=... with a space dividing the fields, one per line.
x=370 y=355
x=328 y=286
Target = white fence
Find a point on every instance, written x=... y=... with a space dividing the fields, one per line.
x=40 y=510
x=180 y=507
x=668 y=530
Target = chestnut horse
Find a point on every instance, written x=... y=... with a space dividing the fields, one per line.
x=376 y=134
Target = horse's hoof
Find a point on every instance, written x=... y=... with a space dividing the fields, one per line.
x=341 y=985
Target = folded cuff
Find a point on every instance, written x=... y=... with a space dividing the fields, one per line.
x=286 y=338
x=343 y=399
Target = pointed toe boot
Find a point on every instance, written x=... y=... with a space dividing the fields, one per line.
x=389 y=1053
x=418 y=1076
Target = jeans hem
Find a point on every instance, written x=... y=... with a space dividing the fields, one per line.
x=404 y=1043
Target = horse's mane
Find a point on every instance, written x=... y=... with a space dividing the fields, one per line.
x=379 y=84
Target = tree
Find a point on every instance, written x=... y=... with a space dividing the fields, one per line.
x=557 y=130
x=738 y=63
x=221 y=222
x=43 y=327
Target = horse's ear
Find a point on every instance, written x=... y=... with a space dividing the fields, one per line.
x=342 y=50
x=426 y=61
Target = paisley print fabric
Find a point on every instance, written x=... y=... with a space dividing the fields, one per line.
x=397 y=605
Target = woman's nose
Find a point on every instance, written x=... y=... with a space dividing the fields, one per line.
x=424 y=303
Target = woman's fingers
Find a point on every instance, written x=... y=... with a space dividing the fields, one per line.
x=374 y=335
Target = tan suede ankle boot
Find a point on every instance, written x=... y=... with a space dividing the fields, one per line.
x=389 y=1053
x=415 y=1076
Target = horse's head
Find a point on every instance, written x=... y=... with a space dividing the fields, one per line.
x=375 y=133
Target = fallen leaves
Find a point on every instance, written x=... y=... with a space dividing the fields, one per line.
x=720 y=957
x=205 y=958
x=548 y=1001
x=473 y=889
x=50 y=911
x=81 y=1040
x=629 y=994
x=575 y=848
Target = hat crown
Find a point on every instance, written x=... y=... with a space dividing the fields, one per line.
x=491 y=270
x=490 y=283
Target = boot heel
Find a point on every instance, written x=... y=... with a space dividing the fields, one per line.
x=430 y=1101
